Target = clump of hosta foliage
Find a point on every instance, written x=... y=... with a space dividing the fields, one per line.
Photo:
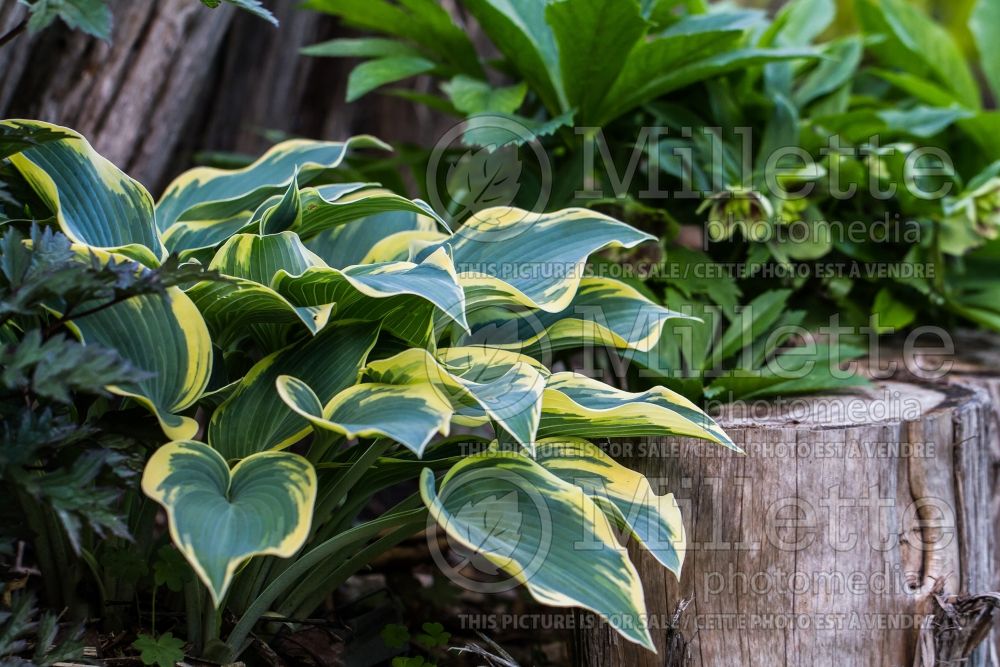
x=341 y=334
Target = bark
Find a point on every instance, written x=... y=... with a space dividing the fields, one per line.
x=177 y=78
x=130 y=96
x=970 y=358
x=831 y=537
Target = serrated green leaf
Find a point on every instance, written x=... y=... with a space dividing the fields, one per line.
x=472 y=96
x=163 y=651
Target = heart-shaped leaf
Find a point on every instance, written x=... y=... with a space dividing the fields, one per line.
x=218 y=518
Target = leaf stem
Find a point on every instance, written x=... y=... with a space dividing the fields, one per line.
x=308 y=560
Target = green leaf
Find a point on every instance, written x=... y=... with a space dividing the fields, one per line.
x=752 y=321
x=363 y=47
x=170 y=569
x=164 y=335
x=395 y=636
x=206 y=193
x=433 y=636
x=220 y=517
x=843 y=57
x=594 y=38
x=261 y=257
x=373 y=74
x=410 y=414
x=255 y=8
x=519 y=30
x=625 y=495
x=796 y=371
x=604 y=311
x=330 y=206
x=894 y=315
x=186 y=237
x=17 y=136
x=652 y=71
x=923 y=89
x=497 y=130
x=285 y=214
x=406 y=296
x=91 y=16
x=501 y=240
x=531 y=524
x=472 y=96
x=424 y=23
x=918 y=45
x=923 y=121
x=95 y=203
x=985 y=27
x=376 y=238
x=164 y=651
x=251 y=262
x=478 y=383
x=800 y=23
x=54 y=367
x=237 y=308
x=574 y=405
x=254 y=419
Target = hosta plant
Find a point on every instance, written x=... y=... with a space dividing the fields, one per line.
x=347 y=341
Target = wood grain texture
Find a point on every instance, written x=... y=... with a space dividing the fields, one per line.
x=966 y=357
x=824 y=543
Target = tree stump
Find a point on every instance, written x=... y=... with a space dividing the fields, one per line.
x=830 y=540
x=968 y=357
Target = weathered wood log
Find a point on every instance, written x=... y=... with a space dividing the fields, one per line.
x=966 y=357
x=956 y=629
x=828 y=539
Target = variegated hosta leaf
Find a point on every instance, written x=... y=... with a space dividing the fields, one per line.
x=188 y=236
x=355 y=242
x=604 y=312
x=409 y=414
x=324 y=209
x=575 y=405
x=216 y=194
x=94 y=202
x=254 y=418
x=538 y=258
x=544 y=532
x=383 y=292
x=166 y=336
x=260 y=257
x=401 y=246
x=220 y=517
x=232 y=308
x=285 y=214
x=478 y=383
x=624 y=494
